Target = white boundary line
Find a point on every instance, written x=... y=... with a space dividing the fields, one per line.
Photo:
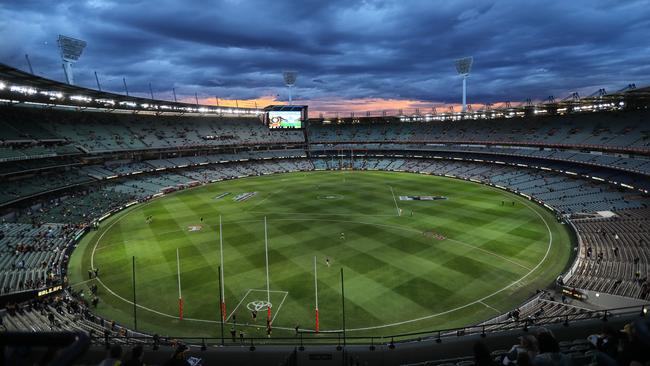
x=550 y=244
x=316 y=214
x=265 y=198
x=491 y=307
x=239 y=303
x=394 y=200
x=489 y=252
x=81 y=283
x=548 y=249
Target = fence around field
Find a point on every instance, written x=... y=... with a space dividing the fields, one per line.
x=340 y=339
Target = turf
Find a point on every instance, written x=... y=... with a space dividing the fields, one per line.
x=399 y=276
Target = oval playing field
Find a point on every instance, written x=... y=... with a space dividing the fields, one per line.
x=417 y=252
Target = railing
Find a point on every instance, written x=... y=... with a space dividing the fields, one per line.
x=305 y=338
x=578 y=259
x=557 y=145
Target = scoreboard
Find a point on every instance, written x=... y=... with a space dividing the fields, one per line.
x=285 y=116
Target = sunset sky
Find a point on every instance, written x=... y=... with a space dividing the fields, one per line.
x=349 y=55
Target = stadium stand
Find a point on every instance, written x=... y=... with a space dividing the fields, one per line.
x=64 y=169
x=616 y=258
x=608 y=131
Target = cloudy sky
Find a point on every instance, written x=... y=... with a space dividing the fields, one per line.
x=349 y=55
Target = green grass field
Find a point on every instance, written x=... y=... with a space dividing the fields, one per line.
x=399 y=275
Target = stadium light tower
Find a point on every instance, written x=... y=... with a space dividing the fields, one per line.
x=463 y=67
x=290 y=81
x=71 y=49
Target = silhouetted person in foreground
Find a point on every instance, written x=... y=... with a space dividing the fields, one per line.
x=113 y=358
x=136 y=357
x=482 y=355
x=179 y=357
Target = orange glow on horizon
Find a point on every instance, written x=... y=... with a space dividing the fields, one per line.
x=260 y=102
x=391 y=106
x=345 y=106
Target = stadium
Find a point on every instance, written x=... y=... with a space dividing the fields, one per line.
x=270 y=234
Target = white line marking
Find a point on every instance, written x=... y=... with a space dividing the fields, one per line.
x=92 y=255
x=489 y=252
x=81 y=283
x=493 y=308
x=266 y=198
x=240 y=301
x=316 y=214
x=279 y=306
x=263 y=290
x=548 y=249
x=394 y=200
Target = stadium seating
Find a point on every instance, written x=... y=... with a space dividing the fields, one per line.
x=610 y=130
x=106 y=132
x=568 y=195
x=31 y=255
x=62 y=170
x=615 y=257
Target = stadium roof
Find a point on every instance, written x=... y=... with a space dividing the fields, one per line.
x=287 y=108
x=15 y=77
x=9 y=75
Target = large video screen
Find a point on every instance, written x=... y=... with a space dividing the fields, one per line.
x=285 y=119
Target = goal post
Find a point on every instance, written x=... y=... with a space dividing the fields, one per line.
x=222 y=286
x=268 y=291
x=180 y=295
x=316 y=293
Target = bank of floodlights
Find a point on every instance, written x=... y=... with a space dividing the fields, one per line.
x=463 y=67
x=71 y=49
x=289 y=80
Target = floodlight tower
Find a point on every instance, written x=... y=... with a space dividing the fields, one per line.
x=290 y=81
x=463 y=67
x=71 y=49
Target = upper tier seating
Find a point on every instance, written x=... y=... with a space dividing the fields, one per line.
x=102 y=132
x=613 y=129
x=633 y=163
x=11 y=189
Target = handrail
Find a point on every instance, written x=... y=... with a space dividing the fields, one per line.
x=437 y=335
x=620 y=149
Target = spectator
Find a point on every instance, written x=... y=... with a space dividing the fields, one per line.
x=606 y=344
x=527 y=345
x=635 y=343
x=549 y=351
x=179 y=357
x=113 y=358
x=136 y=357
x=482 y=355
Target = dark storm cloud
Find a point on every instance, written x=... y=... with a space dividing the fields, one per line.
x=341 y=49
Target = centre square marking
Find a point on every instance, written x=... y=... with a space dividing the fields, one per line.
x=329 y=197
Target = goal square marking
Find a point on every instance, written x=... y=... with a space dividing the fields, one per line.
x=275 y=309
